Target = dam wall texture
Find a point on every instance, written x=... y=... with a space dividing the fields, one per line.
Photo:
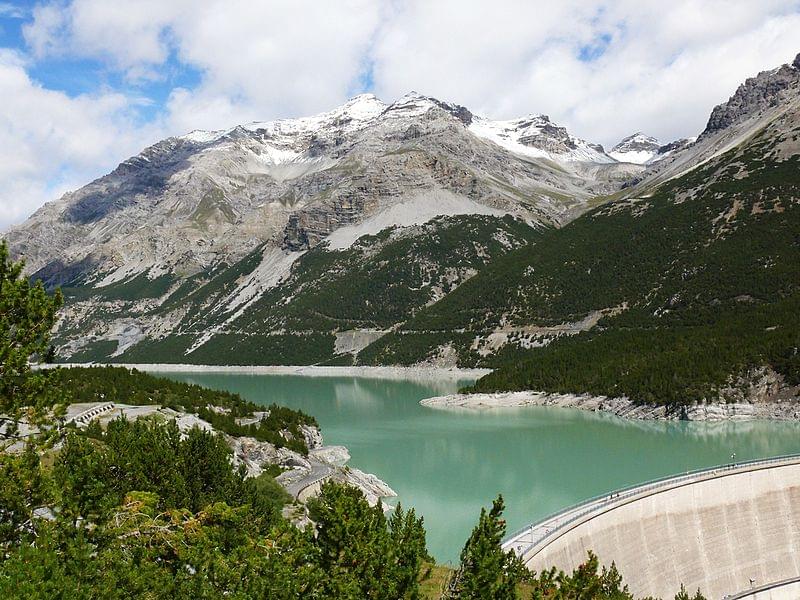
x=725 y=531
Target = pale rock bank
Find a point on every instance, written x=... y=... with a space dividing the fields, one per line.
x=788 y=409
x=303 y=474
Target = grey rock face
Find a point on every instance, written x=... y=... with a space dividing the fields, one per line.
x=459 y=112
x=192 y=202
x=769 y=100
x=765 y=90
x=673 y=146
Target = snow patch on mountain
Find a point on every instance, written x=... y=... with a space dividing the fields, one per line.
x=638 y=148
x=415 y=210
x=351 y=116
x=637 y=157
x=412 y=104
x=202 y=136
x=275 y=156
x=537 y=137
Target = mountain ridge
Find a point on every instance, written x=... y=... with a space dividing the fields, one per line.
x=185 y=174
x=284 y=241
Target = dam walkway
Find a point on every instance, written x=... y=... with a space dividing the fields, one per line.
x=703 y=522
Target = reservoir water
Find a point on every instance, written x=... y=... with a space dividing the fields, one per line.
x=447 y=464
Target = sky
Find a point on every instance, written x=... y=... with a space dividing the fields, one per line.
x=84 y=84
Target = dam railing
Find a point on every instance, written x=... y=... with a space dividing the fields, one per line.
x=768 y=587
x=535 y=534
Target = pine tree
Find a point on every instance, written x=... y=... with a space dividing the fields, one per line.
x=353 y=543
x=486 y=571
x=27 y=314
x=684 y=595
x=408 y=552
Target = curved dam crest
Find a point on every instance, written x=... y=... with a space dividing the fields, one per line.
x=722 y=530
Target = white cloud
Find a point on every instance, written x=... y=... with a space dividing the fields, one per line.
x=663 y=70
x=658 y=67
x=281 y=58
x=12 y=11
x=128 y=34
x=50 y=142
x=258 y=59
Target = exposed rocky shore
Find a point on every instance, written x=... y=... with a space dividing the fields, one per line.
x=323 y=463
x=788 y=409
x=392 y=372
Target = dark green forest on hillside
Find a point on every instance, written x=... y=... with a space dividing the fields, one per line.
x=383 y=279
x=707 y=270
x=690 y=259
x=676 y=365
x=380 y=281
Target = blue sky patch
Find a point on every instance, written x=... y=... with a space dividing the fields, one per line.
x=593 y=51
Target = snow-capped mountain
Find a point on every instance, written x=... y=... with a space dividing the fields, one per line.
x=290 y=228
x=535 y=135
x=637 y=148
x=190 y=202
x=350 y=117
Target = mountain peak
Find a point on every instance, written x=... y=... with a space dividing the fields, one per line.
x=413 y=103
x=538 y=136
x=357 y=111
x=366 y=105
x=637 y=148
x=413 y=100
x=637 y=138
x=765 y=90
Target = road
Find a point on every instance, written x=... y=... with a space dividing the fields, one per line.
x=319 y=472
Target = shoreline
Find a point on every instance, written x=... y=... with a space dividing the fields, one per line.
x=620 y=407
x=411 y=373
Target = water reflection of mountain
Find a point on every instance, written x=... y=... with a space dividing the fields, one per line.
x=764 y=437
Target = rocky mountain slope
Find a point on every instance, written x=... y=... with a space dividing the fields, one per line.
x=188 y=203
x=642 y=149
x=685 y=289
x=227 y=214
x=418 y=232
x=756 y=104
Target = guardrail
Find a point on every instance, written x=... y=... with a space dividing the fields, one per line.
x=90 y=413
x=299 y=496
x=762 y=588
x=621 y=495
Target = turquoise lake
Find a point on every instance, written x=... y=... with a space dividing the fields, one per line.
x=447 y=464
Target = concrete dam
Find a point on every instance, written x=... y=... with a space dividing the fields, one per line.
x=731 y=531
